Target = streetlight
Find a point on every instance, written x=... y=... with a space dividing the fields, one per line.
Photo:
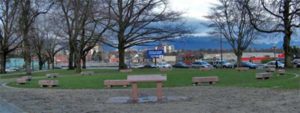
x=274 y=50
x=221 y=47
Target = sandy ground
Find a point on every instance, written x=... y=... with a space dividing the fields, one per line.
x=204 y=99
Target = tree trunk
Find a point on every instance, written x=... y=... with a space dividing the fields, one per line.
x=83 y=62
x=71 y=59
x=122 y=64
x=41 y=64
x=49 y=64
x=77 y=63
x=2 y=63
x=239 y=55
x=287 y=51
x=27 y=56
x=52 y=62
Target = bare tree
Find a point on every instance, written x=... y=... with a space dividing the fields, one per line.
x=38 y=44
x=230 y=19
x=53 y=46
x=276 y=16
x=9 y=40
x=137 y=22
x=82 y=19
x=30 y=10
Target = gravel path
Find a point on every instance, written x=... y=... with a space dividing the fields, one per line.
x=204 y=99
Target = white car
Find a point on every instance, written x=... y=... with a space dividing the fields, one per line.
x=136 y=66
x=272 y=64
x=164 y=65
x=201 y=64
x=10 y=70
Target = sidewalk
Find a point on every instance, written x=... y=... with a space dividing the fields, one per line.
x=6 y=107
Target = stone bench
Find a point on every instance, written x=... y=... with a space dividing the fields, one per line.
x=48 y=83
x=52 y=75
x=205 y=69
x=110 y=83
x=87 y=73
x=28 y=78
x=281 y=71
x=210 y=80
x=263 y=76
x=242 y=68
x=165 y=69
x=126 y=70
x=270 y=70
x=21 y=80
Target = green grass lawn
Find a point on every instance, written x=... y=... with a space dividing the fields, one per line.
x=175 y=78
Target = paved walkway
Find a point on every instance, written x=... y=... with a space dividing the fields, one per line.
x=6 y=107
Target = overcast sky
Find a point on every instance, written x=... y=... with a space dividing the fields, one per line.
x=192 y=8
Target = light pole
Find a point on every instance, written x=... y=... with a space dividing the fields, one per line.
x=221 y=47
x=274 y=51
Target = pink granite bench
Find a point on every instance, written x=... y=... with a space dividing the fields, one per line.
x=263 y=76
x=270 y=69
x=205 y=69
x=126 y=70
x=28 y=78
x=111 y=83
x=210 y=80
x=281 y=71
x=242 y=69
x=165 y=69
x=48 y=83
x=87 y=73
x=52 y=75
x=23 y=79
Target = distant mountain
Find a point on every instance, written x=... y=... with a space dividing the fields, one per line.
x=208 y=42
x=200 y=39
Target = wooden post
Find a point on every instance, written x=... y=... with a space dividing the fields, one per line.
x=159 y=92
x=134 y=92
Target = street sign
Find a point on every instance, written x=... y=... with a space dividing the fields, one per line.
x=155 y=53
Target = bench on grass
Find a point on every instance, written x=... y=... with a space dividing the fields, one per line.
x=270 y=69
x=205 y=69
x=87 y=73
x=23 y=79
x=263 y=76
x=242 y=68
x=126 y=70
x=111 y=83
x=281 y=71
x=210 y=80
x=28 y=78
x=52 y=75
x=165 y=69
x=48 y=83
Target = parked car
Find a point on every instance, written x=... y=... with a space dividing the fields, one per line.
x=222 y=64
x=149 y=66
x=136 y=66
x=296 y=61
x=164 y=65
x=181 y=65
x=297 y=65
x=201 y=64
x=249 y=65
x=10 y=70
x=273 y=64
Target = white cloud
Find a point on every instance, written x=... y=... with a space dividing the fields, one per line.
x=193 y=8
